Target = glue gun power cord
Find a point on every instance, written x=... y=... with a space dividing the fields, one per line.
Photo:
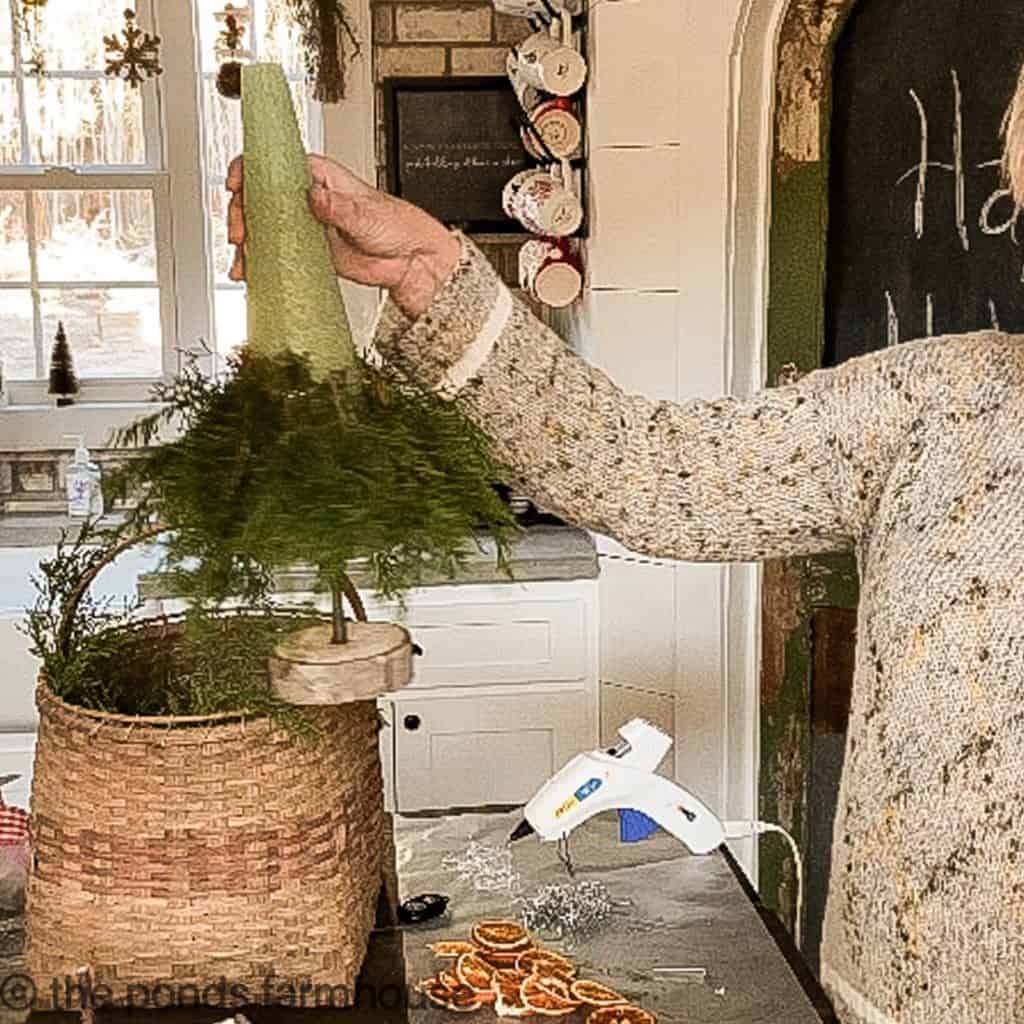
x=745 y=829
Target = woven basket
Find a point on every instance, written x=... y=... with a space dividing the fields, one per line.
x=195 y=851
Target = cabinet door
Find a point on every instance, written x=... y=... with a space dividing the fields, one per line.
x=473 y=644
x=479 y=751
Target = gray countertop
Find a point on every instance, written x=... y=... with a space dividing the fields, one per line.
x=683 y=911
x=673 y=909
x=541 y=553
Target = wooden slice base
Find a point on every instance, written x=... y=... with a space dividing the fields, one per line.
x=308 y=669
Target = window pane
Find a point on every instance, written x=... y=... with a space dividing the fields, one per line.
x=13 y=238
x=229 y=322
x=73 y=39
x=113 y=332
x=84 y=122
x=280 y=39
x=222 y=128
x=220 y=251
x=95 y=236
x=17 y=339
x=6 y=54
x=10 y=125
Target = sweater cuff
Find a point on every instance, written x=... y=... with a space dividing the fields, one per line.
x=448 y=345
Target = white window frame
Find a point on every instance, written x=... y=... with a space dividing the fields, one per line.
x=176 y=175
x=164 y=175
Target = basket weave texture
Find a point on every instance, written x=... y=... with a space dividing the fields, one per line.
x=188 y=852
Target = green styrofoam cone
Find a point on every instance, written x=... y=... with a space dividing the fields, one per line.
x=294 y=303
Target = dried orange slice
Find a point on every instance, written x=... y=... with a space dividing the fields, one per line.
x=501 y=936
x=449 y=978
x=548 y=996
x=474 y=972
x=451 y=949
x=551 y=984
x=502 y=961
x=625 y=1014
x=460 y=1000
x=593 y=994
x=507 y=988
x=544 y=961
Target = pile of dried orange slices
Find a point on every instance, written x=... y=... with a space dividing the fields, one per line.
x=503 y=968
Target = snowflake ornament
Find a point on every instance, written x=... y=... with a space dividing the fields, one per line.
x=138 y=52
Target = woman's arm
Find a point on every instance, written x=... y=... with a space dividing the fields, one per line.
x=793 y=470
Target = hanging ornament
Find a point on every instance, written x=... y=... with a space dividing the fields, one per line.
x=138 y=52
x=327 y=35
x=229 y=50
x=231 y=35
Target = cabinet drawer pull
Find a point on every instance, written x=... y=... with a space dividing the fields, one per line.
x=412 y=722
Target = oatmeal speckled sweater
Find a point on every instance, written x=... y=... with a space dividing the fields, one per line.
x=914 y=458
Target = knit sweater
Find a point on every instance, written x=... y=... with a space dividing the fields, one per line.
x=913 y=457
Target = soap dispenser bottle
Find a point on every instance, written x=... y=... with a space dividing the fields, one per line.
x=85 y=494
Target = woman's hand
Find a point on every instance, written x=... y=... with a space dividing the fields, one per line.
x=375 y=239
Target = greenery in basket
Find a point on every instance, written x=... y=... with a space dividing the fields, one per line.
x=97 y=655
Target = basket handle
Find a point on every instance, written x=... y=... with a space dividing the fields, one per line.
x=70 y=608
x=67 y=613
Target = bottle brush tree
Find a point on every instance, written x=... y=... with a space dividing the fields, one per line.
x=302 y=452
x=63 y=381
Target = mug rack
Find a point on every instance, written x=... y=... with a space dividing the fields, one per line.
x=571 y=30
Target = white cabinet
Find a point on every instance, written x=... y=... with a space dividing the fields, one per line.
x=505 y=692
x=479 y=751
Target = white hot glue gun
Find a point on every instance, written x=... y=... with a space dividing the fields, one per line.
x=622 y=779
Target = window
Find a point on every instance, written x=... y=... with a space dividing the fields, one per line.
x=112 y=204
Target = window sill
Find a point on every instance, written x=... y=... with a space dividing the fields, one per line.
x=33 y=427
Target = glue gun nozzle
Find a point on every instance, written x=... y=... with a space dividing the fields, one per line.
x=522 y=830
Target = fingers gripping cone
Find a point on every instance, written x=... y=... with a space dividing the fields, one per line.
x=294 y=303
x=295 y=306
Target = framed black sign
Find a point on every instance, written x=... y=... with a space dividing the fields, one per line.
x=452 y=144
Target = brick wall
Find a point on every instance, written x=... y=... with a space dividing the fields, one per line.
x=442 y=37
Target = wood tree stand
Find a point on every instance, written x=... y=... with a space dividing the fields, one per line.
x=341 y=661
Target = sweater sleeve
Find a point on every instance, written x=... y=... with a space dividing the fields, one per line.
x=792 y=470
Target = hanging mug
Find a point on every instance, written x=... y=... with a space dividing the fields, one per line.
x=551 y=66
x=529 y=96
x=544 y=206
x=549 y=271
x=558 y=128
x=510 y=193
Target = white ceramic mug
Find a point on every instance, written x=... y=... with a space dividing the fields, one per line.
x=549 y=271
x=510 y=193
x=544 y=206
x=529 y=96
x=551 y=66
x=557 y=127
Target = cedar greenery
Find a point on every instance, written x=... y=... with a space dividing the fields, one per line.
x=273 y=469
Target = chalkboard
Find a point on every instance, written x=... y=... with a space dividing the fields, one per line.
x=921 y=239
x=453 y=143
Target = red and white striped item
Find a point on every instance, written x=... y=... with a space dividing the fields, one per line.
x=13 y=825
